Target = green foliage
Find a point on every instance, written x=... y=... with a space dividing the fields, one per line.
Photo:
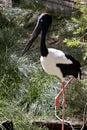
x=31 y=4
x=79 y=31
x=72 y=42
x=75 y=98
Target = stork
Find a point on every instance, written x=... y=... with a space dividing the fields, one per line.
x=54 y=62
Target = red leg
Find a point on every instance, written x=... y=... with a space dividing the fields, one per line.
x=64 y=101
x=63 y=106
x=57 y=98
x=57 y=102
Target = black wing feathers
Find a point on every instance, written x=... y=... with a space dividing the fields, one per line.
x=70 y=69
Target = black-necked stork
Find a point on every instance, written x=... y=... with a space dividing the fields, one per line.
x=53 y=61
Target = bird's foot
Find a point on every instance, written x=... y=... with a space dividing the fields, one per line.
x=57 y=102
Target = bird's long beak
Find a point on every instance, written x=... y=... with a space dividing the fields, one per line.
x=34 y=35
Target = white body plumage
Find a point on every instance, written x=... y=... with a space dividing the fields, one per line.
x=54 y=57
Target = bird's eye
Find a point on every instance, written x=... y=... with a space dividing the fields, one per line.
x=41 y=20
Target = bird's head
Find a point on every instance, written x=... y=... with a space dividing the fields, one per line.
x=43 y=23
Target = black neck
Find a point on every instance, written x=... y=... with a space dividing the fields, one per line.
x=43 y=48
